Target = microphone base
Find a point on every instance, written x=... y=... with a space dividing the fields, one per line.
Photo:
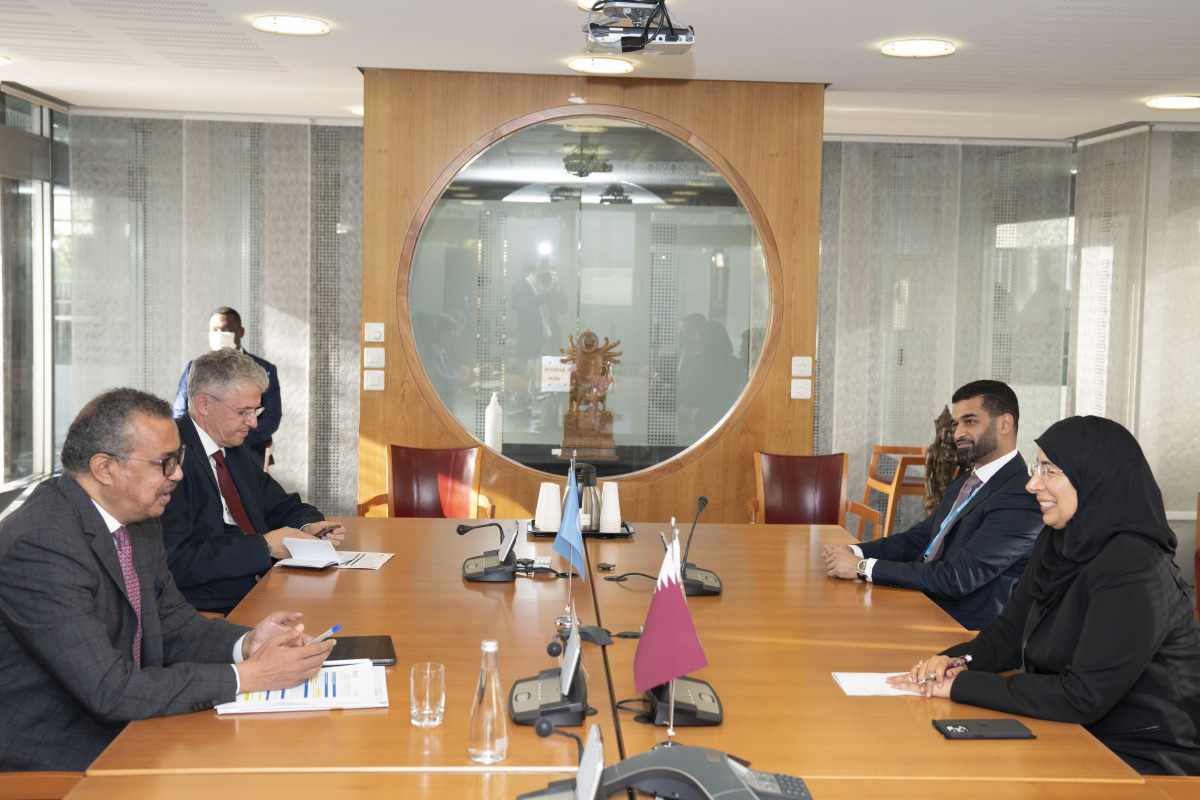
x=488 y=568
x=537 y=698
x=697 y=582
x=696 y=703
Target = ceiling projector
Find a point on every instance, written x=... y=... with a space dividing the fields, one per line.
x=636 y=26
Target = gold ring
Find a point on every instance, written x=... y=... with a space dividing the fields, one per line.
x=920 y=663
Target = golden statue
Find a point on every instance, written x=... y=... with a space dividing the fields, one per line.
x=587 y=425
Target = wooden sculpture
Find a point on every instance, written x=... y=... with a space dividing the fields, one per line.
x=588 y=424
x=941 y=461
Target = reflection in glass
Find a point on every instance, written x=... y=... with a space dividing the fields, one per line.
x=590 y=224
x=20 y=114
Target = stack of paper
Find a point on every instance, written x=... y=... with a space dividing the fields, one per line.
x=339 y=684
x=319 y=554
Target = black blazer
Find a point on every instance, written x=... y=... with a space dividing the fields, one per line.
x=1119 y=653
x=67 y=680
x=216 y=564
x=982 y=556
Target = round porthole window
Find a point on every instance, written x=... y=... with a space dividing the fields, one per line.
x=589 y=225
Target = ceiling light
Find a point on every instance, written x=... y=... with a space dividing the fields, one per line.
x=357 y=111
x=601 y=66
x=918 y=48
x=585 y=5
x=615 y=195
x=1174 y=102
x=292 y=26
x=5 y=61
x=585 y=159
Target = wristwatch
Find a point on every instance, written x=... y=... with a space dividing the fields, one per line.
x=861 y=569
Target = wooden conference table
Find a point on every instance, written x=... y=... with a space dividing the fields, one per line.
x=432 y=614
x=772 y=640
x=778 y=630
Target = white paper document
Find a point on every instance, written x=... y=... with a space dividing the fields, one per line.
x=319 y=554
x=339 y=684
x=348 y=559
x=864 y=684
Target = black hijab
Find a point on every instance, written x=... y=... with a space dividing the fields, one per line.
x=1117 y=495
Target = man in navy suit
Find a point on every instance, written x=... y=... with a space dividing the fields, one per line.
x=227 y=521
x=225 y=330
x=968 y=554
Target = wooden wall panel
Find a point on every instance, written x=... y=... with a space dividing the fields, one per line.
x=420 y=126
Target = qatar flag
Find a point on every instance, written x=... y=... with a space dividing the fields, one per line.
x=669 y=647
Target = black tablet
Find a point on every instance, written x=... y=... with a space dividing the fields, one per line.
x=377 y=648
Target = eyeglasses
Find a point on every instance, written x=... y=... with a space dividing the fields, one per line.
x=1042 y=470
x=245 y=415
x=168 y=464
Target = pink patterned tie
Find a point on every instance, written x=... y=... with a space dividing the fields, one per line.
x=964 y=494
x=133 y=589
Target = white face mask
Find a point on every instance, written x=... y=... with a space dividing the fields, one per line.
x=219 y=339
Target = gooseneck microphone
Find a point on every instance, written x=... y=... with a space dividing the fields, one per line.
x=544 y=727
x=492 y=566
x=700 y=504
x=698 y=581
x=464 y=528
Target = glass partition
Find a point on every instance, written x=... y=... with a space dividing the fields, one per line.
x=589 y=223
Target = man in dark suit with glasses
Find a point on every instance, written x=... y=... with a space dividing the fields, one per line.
x=226 y=523
x=93 y=631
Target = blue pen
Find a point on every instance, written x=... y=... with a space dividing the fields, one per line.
x=326 y=634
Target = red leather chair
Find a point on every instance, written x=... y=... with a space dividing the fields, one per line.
x=804 y=490
x=432 y=483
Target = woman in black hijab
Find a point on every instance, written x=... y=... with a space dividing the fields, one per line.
x=1100 y=626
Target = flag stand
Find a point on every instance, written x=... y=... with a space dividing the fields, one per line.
x=670 y=742
x=568 y=619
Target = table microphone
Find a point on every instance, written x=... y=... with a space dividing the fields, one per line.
x=464 y=528
x=700 y=504
x=544 y=727
x=698 y=581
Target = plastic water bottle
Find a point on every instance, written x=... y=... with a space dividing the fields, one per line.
x=489 y=717
x=493 y=425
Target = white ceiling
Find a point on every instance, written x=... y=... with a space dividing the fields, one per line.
x=1025 y=68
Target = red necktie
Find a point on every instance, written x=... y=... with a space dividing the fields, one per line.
x=133 y=589
x=230 y=494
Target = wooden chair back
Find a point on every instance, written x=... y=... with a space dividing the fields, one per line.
x=896 y=485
